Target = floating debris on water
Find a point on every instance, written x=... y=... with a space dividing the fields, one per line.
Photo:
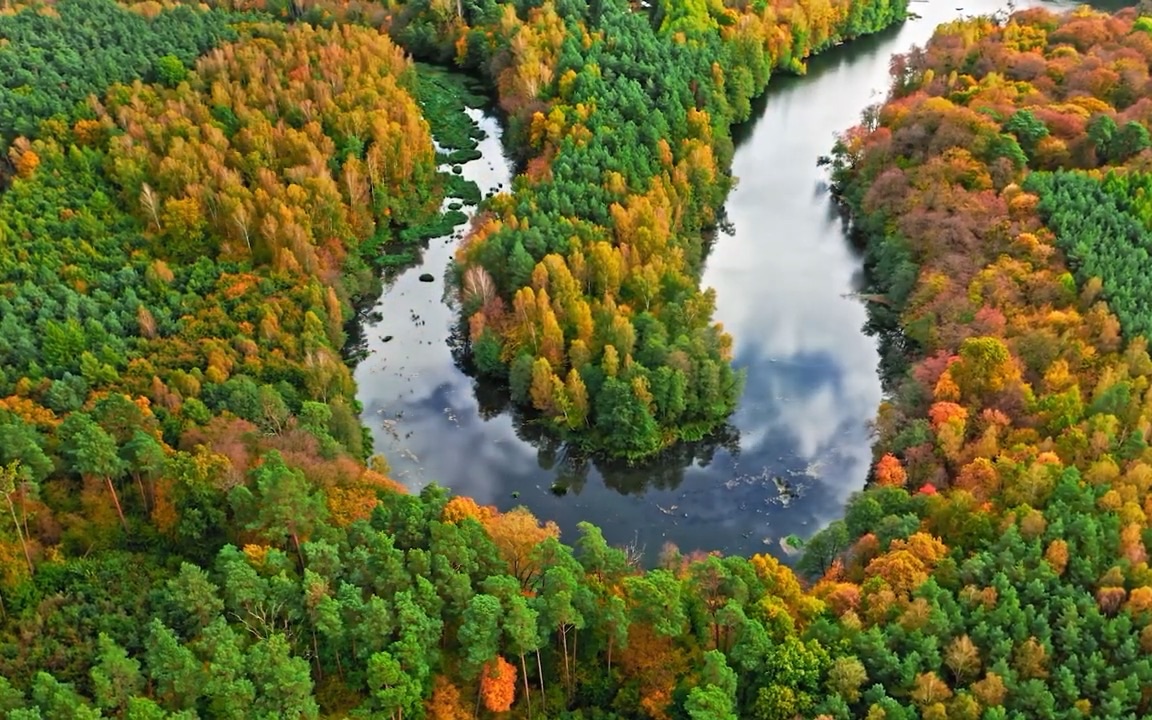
x=786 y=491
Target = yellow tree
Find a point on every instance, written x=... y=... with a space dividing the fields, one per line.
x=516 y=534
x=542 y=390
x=577 y=395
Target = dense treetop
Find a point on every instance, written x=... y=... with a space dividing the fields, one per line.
x=189 y=529
x=176 y=269
x=55 y=56
x=189 y=526
x=581 y=285
x=1019 y=402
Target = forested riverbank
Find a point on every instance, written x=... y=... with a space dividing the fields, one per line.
x=189 y=213
x=999 y=190
x=189 y=526
x=581 y=287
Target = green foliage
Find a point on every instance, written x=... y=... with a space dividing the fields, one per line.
x=443 y=98
x=1028 y=129
x=170 y=70
x=52 y=61
x=1102 y=227
x=1033 y=603
x=622 y=119
x=823 y=548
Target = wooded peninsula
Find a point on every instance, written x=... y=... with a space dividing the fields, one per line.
x=196 y=197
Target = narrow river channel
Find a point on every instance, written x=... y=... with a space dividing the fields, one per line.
x=784 y=272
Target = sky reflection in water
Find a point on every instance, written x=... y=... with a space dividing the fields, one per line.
x=799 y=443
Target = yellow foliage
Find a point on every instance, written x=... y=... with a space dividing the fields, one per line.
x=460 y=507
x=946 y=388
x=516 y=534
x=781 y=582
x=256 y=554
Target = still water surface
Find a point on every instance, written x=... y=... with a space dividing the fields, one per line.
x=798 y=444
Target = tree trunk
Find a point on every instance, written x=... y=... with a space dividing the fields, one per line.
x=299 y=552
x=116 y=501
x=24 y=511
x=20 y=533
x=143 y=495
x=611 y=640
x=479 y=687
x=567 y=671
x=543 y=692
x=527 y=694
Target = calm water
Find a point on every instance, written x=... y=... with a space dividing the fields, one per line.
x=799 y=443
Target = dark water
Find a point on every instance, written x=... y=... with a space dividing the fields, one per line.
x=799 y=443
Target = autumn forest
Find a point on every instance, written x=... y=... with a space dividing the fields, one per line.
x=196 y=198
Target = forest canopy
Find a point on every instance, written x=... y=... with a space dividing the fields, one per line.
x=1000 y=193
x=191 y=525
x=193 y=198
x=581 y=286
x=53 y=58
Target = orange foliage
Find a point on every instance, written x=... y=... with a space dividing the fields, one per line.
x=890 y=472
x=445 y=703
x=946 y=412
x=930 y=690
x=30 y=412
x=498 y=685
x=980 y=478
x=990 y=691
x=516 y=534
x=164 y=514
x=268 y=183
x=946 y=389
x=842 y=597
x=26 y=163
x=656 y=663
x=347 y=505
x=1132 y=543
x=374 y=479
x=1140 y=600
x=1057 y=555
x=1111 y=599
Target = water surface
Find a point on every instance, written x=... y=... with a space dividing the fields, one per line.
x=798 y=445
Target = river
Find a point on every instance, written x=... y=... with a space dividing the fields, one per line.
x=799 y=443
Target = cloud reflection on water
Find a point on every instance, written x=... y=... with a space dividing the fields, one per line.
x=780 y=279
